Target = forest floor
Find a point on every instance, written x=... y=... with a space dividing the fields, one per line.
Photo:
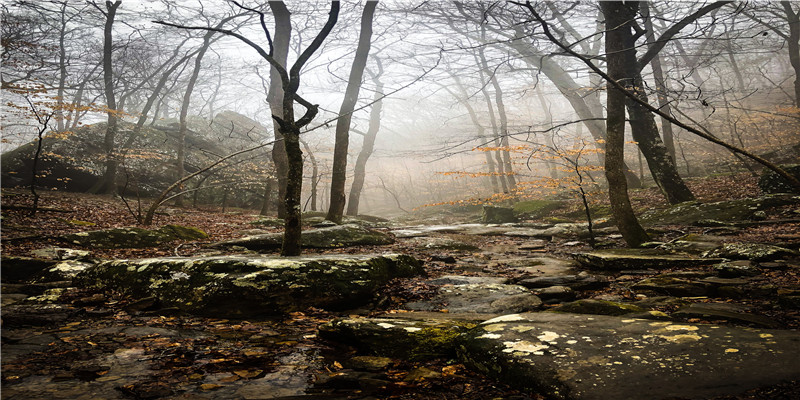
x=181 y=351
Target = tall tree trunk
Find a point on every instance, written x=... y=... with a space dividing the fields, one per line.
x=360 y=170
x=314 y=174
x=463 y=98
x=339 y=172
x=187 y=97
x=793 y=18
x=62 y=69
x=506 y=152
x=107 y=182
x=618 y=18
x=548 y=116
x=661 y=83
x=645 y=133
x=265 y=205
x=501 y=175
x=283 y=32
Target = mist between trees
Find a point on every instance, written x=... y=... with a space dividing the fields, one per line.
x=389 y=107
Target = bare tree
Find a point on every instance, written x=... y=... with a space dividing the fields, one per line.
x=339 y=173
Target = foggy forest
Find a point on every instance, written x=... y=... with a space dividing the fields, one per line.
x=242 y=199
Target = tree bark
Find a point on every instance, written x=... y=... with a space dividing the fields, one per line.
x=314 y=174
x=794 y=46
x=661 y=83
x=339 y=172
x=360 y=170
x=618 y=17
x=506 y=152
x=283 y=32
x=106 y=183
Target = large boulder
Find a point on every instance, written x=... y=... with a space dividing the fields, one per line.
x=417 y=336
x=631 y=259
x=498 y=215
x=134 y=237
x=238 y=286
x=751 y=251
x=771 y=182
x=692 y=212
x=321 y=238
x=573 y=356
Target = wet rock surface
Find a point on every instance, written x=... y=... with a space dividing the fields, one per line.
x=252 y=285
x=324 y=238
x=627 y=259
x=569 y=356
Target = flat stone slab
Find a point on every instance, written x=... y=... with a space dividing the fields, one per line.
x=480 y=298
x=625 y=259
x=238 y=286
x=320 y=238
x=569 y=356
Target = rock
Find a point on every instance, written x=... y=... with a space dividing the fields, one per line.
x=735 y=269
x=489 y=298
x=63 y=271
x=673 y=286
x=576 y=282
x=466 y=280
x=771 y=182
x=750 y=251
x=691 y=212
x=447 y=259
x=555 y=294
x=60 y=253
x=580 y=357
x=11 y=298
x=269 y=222
x=598 y=307
x=324 y=224
x=537 y=209
x=321 y=238
x=36 y=314
x=498 y=215
x=622 y=259
x=233 y=286
x=368 y=363
x=533 y=244
x=410 y=339
x=439 y=243
x=19 y=269
x=724 y=311
x=692 y=243
x=133 y=237
x=421 y=373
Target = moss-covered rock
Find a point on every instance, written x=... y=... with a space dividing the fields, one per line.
x=673 y=286
x=537 y=209
x=134 y=237
x=750 y=251
x=441 y=243
x=622 y=259
x=238 y=286
x=270 y=222
x=771 y=182
x=498 y=215
x=598 y=307
x=409 y=339
x=321 y=238
x=692 y=212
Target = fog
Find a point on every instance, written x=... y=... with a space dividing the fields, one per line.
x=730 y=72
